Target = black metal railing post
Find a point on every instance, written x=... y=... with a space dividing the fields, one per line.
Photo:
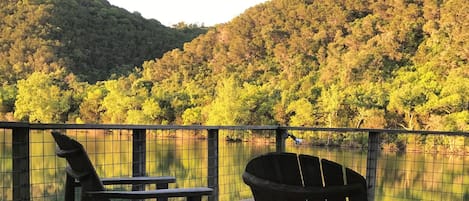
x=21 y=163
x=372 y=163
x=280 y=138
x=138 y=155
x=213 y=163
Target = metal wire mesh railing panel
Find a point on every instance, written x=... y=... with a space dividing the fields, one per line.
x=178 y=153
x=423 y=167
x=409 y=166
x=6 y=165
x=236 y=148
x=46 y=179
x=349 y=149
x=109 y=151
x=161 y=153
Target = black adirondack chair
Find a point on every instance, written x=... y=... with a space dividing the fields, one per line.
x=292 y=177
x=81 y=170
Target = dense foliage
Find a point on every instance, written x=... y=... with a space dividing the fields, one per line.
x=89 y=39
x=100 y=40
x=341 y=63
x=399 y=64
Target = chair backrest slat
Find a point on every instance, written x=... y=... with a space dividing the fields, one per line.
x=355 y=178
x=311 y=170
x=333 y=176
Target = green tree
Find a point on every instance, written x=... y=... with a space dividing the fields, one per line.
x=369 y=102
x=259 y=102
x=117 y=102
x=91 y=109
x=302 y=113
x=41 y=99
x=192 y=116
x=332 y=104
x=227 y=107
x=411 y=90
x=124 y=99
x=7 y=98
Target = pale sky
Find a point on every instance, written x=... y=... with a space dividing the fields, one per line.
x=170 y=12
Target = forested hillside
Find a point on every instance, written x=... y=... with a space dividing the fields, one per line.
x=85 y=40
x=399 y=64
x=89 y=38
x=342 y=63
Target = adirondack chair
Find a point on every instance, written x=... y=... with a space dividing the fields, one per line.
x=81 y=169
x=292 y=177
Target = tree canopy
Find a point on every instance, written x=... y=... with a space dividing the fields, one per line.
x=89 y=38
x=375 y=64
x=372 y=64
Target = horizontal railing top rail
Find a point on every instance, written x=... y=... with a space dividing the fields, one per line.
x=39 y=126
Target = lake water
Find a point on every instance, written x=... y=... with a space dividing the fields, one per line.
x=400 y=176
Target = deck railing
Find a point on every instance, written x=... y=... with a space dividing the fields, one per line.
x=207 y=160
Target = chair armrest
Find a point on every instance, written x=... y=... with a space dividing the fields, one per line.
x=174 y=192
x=136 y=180
x=66 y=153
x=139 y=180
